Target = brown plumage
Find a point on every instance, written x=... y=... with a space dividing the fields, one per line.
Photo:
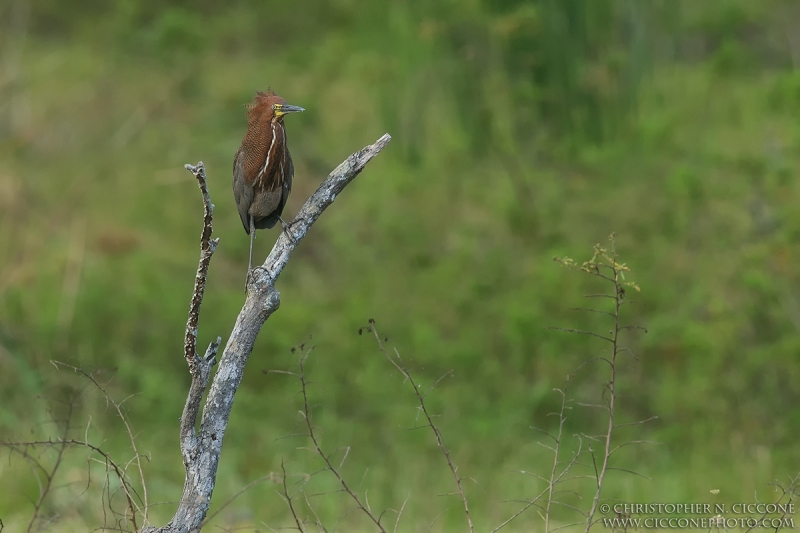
x=262 y=168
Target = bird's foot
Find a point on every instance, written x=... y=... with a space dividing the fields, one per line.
x=249 y=279
x=287 y=226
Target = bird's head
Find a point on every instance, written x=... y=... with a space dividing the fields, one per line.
x=271 y=106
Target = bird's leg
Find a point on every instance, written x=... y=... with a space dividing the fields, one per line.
x=250 y=261
x=252 y=238
x=250 y=268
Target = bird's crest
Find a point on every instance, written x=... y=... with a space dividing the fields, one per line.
x=262 y=96
x=259 y=95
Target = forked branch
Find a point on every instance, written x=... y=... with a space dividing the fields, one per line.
x=201 y=447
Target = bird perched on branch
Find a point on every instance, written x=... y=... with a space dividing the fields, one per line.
x=262 y=168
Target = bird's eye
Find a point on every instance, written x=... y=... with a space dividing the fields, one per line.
x=274 y=106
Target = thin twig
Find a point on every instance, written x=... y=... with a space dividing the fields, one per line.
x=551 y=481
x=118 y=406
x=399 y=514
x=618 y=295
x=318 y=522
x=533 y=502
x=307 y=416
x=236 y=495
x=400 y=366
x=590 y=310
x=109 y=462
x=604 y=265
x=640 y=422
x=583 y=332
x=628 y=443
x=43 y=492
x=789 y=492
x=288 y=498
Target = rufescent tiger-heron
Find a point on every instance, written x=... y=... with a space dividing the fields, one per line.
x=262 y=168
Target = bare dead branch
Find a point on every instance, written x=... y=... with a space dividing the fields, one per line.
x=201 y=448
x=200 y=369
x=207 y=248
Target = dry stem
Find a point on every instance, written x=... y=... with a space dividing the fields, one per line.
x=307 y=416
x=398 y=363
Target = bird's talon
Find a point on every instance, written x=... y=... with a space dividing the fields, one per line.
x=288 y=226
x=250 y=272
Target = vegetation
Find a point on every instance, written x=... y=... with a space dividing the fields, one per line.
x=521 y=131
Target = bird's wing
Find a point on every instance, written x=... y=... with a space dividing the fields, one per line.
x=242 y=192
x=287 y=183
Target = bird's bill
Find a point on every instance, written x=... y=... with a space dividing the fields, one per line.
x=288 y=108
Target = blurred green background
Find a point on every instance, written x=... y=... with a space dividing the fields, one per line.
x=522 y=130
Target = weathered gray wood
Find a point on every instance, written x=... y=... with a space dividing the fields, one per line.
x=201 y=449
